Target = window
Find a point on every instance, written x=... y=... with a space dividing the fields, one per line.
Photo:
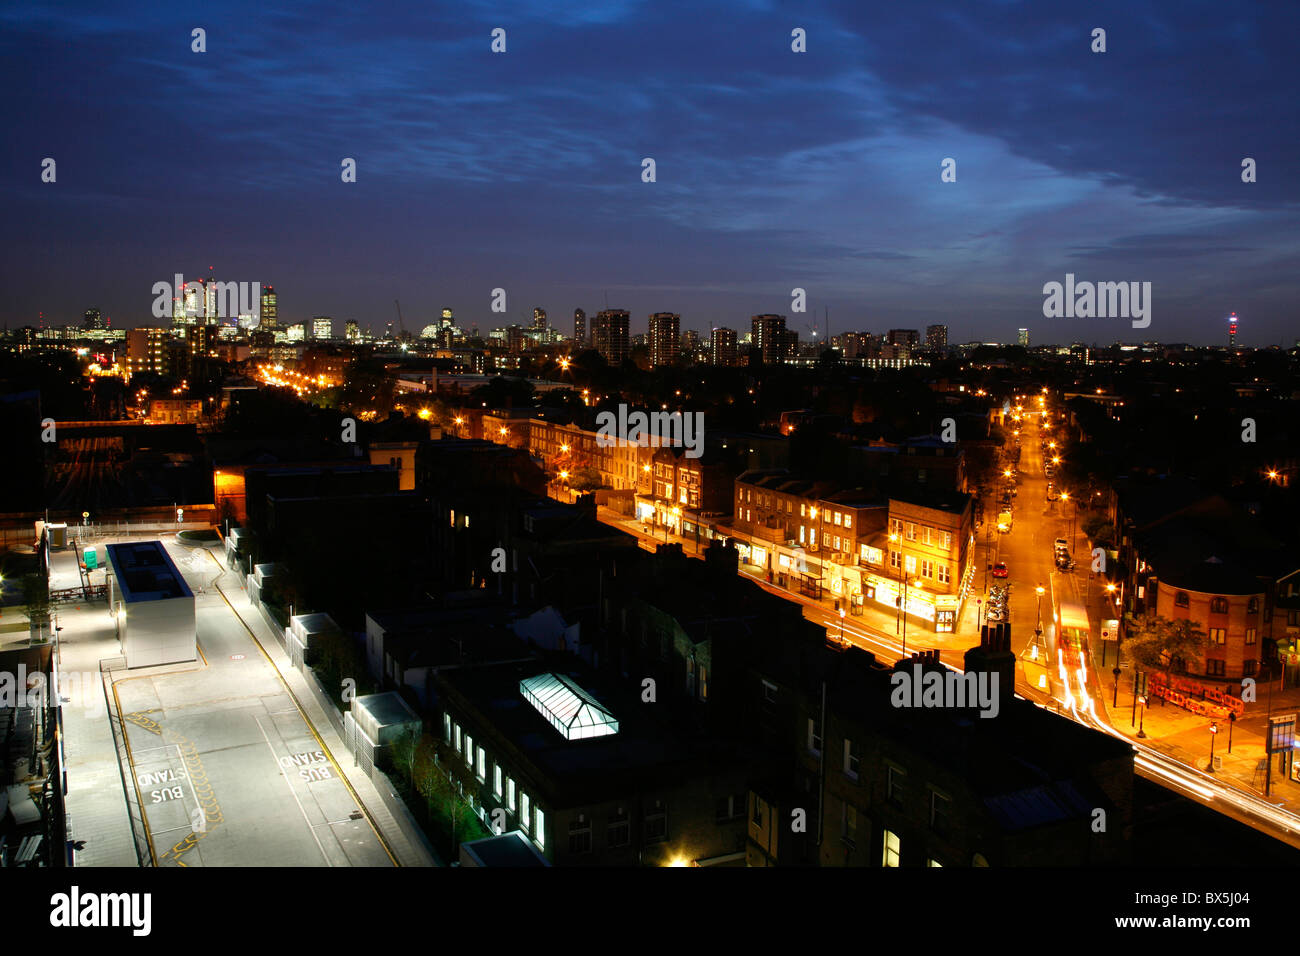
x=704 y=682
x=945 y=574
x=769 y=693
x=839 y=518
x=801 y=533
x=580 y=835
x=894 y=786
x=895 y=558
x=510 y=794
x=803 y=510
x=1252 y=606
x=911 y=531
x=852 y=760
x=730 y=807
x=927 y=568
x=1218 y=605
x=469 y=751
x=814 y=736
x=849 y=824
x=540 y=828
x=446 y=727
x=826 y=538
x=945 y=541
x=1249 y=667
x=926 y=529
x=458 y=741
x=619 y=832
x=1214 y=668
x=910 y=564
x=940 y=812
x=656 y=824
x=525 y=811
x=1218 y=635
x=1251 y=634
x=481 y=769
x=758 y=812
x=1181 y=599
x=848 y=521
x=496 y=779
x=837 y=542
x=892 y=846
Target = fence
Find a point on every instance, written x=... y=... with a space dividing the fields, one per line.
x=139 y=833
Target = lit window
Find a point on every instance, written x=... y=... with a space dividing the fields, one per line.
x=1250 y=635
x=510 y=793
x=469 y=751
x=446 y=727
x=496 y=779
x=525 y=810
x=1218 y=635
x=482 y=764
x=540 y=835
x=458 y=743
x=848 y=521
x=892 y=846
x=910 y=564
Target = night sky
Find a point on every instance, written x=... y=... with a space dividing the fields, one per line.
x=522 y=170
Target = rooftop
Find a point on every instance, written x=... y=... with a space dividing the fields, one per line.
x=145 y=572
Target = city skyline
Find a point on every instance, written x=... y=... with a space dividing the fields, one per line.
x=523 y=170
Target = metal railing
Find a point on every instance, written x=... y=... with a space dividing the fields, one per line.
x=139 y=831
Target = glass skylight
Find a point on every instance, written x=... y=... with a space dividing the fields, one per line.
x=567 y=707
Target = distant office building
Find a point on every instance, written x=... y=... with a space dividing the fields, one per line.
x=539 y=319
x=296 y=332
x=448 y=320
x=92 y=320
x=609 y=335
x=579 y=329
x=269 y=313
x=936 y=336
x=690 y=342
x=146 y=350
x=665 y=338
x=768 y=335
x=1023 y=337
x=722 y=348
x=351 y=331
x=322 y=328
x=909 y=337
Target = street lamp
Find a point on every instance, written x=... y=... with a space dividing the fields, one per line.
x=1214 y=730
x=1143 y=719
x=841 y=625
x=1039 y=590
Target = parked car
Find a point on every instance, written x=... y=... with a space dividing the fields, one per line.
x=1000 y=570
x=1062 y=544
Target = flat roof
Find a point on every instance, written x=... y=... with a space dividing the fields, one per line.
x=386 y=709
x=145 y=572
x=508 y=849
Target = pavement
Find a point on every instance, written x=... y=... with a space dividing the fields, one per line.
x=209 y=767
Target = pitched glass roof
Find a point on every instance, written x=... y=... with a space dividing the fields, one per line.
x=567 y=707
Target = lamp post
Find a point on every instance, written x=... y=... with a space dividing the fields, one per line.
x=1232 y=721
x=1039 y=591
x=841 y=625
x=1142 y=721
x=1116 y=672
x=1214 y=730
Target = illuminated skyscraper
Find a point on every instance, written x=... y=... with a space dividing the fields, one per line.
x=1232 y=331
x=269 y=313
x=322 y=328
x=609 y=335
x=1023 y=338
x=723 y=347
x=539 y=318
x=664 y=338
x=936 y=336
x=768 y=335
x=579 y=329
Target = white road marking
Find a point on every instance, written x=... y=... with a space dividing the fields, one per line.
x=293 y=792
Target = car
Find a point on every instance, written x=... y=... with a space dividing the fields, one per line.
x=1062 y=544
x=1000 y=570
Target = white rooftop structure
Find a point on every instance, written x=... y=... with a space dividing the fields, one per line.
x=567 y=707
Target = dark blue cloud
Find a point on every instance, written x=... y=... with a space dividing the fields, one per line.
x=775 y=170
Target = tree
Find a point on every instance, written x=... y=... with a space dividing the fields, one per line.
x=584 y=479
x=1156 y=642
